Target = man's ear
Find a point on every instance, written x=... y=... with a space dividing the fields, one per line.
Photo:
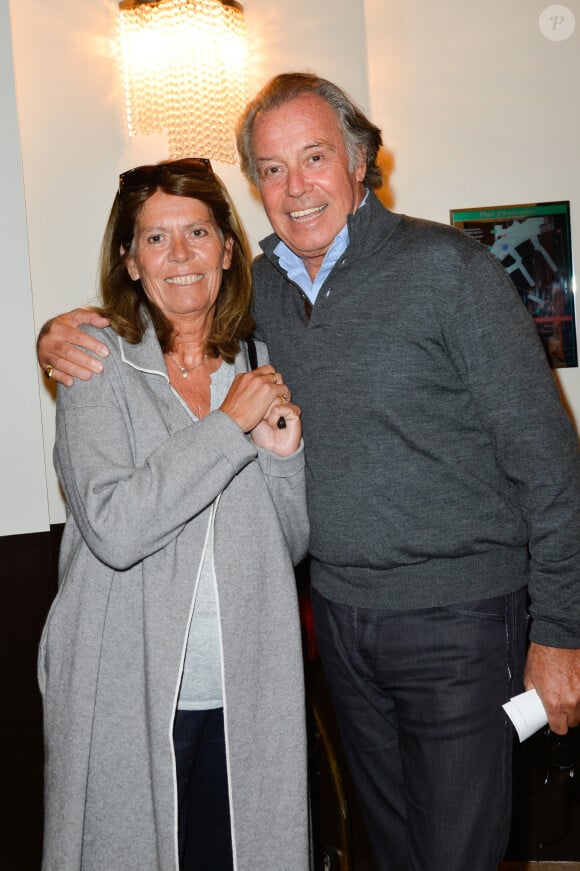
x=361 y=166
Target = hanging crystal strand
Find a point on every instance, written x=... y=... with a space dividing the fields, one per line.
x=185 y=69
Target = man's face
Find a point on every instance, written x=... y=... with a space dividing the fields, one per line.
x=306 y=184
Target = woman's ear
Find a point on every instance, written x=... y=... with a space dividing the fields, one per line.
x=228 y=252
x=130 y=265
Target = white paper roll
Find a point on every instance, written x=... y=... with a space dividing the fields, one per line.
x=527 y=713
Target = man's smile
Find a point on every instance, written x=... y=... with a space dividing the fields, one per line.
x=304 y=214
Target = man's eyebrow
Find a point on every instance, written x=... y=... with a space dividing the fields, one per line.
x=317 y=143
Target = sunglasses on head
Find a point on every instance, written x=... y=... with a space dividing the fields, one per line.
x=139 y=176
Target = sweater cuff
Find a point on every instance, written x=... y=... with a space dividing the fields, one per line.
x=551 y=634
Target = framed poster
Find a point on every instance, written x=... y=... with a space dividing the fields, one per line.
x=533 y=242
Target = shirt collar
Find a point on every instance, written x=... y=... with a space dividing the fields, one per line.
x=294 y=267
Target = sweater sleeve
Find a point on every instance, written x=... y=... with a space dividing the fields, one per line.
x=125 y=511
x=495 y=346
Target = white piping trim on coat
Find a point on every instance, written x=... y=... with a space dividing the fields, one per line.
x=134 y=365
x=217 y=598
x=208 y=536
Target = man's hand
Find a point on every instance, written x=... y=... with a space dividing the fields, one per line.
x=56 y=346
x=554 y=673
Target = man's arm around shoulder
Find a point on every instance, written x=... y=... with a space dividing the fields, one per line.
x=60 y=342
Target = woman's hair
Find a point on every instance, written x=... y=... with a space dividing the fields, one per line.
x=360 y=134
x=125 y=301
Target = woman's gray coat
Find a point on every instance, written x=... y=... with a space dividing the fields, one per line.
x=147 y=489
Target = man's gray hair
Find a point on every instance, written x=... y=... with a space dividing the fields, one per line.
x=360 y=134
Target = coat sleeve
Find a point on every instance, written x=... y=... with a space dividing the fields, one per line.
x=285 y=479
x=495 y=345
x=125 y=511
x=286 y=482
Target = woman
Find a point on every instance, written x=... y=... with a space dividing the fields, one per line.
x=170 y=663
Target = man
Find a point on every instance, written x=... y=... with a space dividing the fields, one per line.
x=443 y=479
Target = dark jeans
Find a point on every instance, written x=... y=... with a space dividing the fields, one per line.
x=418 y=698
x=205 y=842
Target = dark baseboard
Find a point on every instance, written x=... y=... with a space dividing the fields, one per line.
x=28 y=583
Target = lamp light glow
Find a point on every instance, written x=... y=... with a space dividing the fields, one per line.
x=185 y=70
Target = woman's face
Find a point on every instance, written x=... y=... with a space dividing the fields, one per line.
x=179 y=254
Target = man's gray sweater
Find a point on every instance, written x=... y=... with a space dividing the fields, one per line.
x=441 y=465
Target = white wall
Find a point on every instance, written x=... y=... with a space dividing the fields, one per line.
x=23 y=501
x=74 y=142
x=478 y=109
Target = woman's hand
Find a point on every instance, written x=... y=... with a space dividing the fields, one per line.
x=56 y=346
x=256 y=401
x=282 y=441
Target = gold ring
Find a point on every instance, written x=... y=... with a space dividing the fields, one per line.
x=48 y=371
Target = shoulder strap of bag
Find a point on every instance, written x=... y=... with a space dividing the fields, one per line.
x=252 y=353
x=253 y=360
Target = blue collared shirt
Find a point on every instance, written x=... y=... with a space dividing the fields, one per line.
x=295 y=269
